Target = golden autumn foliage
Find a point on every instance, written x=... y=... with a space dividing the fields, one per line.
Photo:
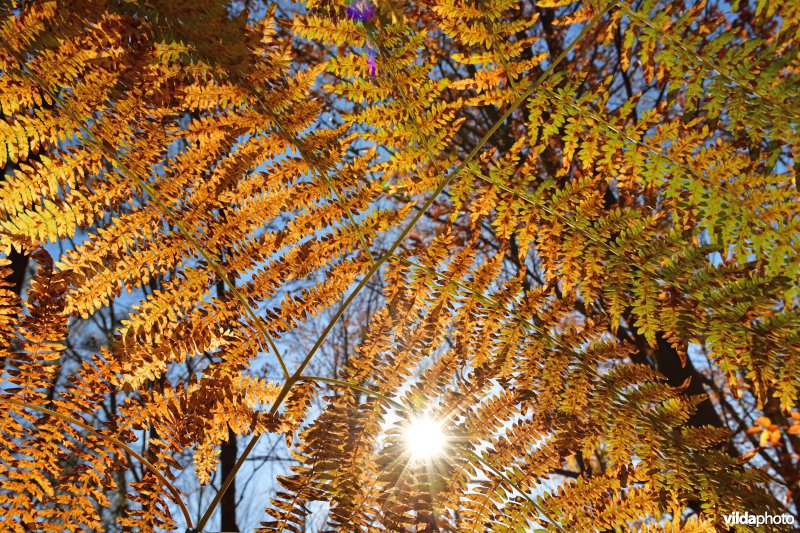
x=580 y=219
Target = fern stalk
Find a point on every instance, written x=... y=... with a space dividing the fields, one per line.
x=390 y=252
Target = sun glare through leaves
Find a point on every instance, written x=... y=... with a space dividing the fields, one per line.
x=425 y=439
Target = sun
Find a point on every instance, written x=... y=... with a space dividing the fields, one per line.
x=425 y=439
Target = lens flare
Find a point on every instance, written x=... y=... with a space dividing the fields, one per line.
x=425 y=439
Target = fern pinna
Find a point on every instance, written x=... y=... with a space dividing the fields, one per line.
x=570 y=227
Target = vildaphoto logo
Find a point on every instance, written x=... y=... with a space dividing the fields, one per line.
x=747 y=519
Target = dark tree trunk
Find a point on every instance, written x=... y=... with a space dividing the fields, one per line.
x=664 y=358
x=19 y=265
x=19 y=262
x=228 y=456
x=668 y=362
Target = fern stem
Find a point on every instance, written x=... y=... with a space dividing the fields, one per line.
x=445 y=182
x=176 y=494
x=254 y=439
x=353 y=386
x=390 y=252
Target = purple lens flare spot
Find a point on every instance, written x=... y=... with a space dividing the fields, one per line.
x=361 y=10
x=373 y=67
